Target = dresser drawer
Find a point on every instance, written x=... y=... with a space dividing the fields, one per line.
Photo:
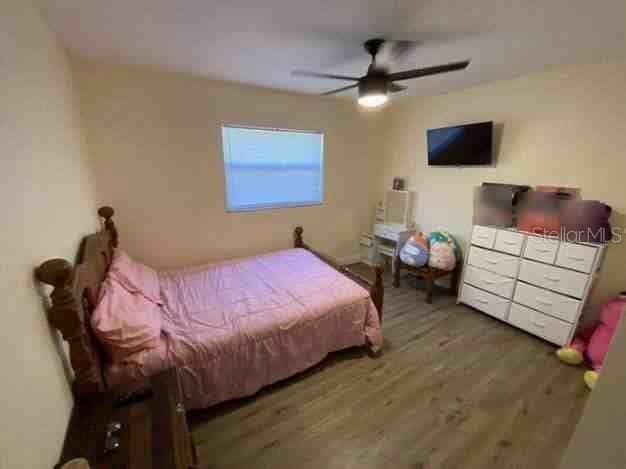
x=549 y=328
x=489 y=281
x=576 y=256
x=509 y=242
x=559 y=306
x=483 y=236
x=491 y=304
x=553 y=278
x=541 y=249
x=499 y=263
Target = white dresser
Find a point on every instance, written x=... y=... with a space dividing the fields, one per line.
x=531 y=282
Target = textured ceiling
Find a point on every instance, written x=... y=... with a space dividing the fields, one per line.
x=260 y=42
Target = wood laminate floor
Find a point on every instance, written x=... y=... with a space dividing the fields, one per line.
x=453 y=389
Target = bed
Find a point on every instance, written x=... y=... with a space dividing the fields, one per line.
x=230 y=327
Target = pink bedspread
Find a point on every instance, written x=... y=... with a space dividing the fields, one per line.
x=234 y=327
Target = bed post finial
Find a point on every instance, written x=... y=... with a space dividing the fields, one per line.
x=297 y=237
x=66 y=316
x=55 y=272
x=107 y=213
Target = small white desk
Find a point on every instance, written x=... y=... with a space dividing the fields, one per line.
x=389 y=238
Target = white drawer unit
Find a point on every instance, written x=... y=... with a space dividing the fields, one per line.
x=532 y=282
x=554 y=304
x=541 y=249
x=551 y=329
x=493 y=261
x=486 y=302
x=576 y=256
x=489 y=281
x=483 y=236
x=553 y=278
x=384 y=231
x=510 y=242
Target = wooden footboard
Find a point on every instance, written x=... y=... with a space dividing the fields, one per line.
x=376 y=287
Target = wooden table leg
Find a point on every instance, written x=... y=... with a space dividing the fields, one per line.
x=397 y=264
x=430 y=282
x=454 y=281
x=428 y=275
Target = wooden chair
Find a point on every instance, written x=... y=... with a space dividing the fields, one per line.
x=429 y=274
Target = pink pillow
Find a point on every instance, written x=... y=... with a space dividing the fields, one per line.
x=125 y=322
x=135 y=276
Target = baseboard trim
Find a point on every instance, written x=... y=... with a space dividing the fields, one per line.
x=346 y=260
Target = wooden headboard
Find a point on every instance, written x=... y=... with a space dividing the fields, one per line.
x=75 y=294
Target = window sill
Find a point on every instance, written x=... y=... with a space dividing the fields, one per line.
x=272 y=207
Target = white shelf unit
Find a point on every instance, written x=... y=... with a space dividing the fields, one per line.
x=396 y=208
x=535 y=283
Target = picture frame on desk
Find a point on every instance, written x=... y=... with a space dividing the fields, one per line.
x=398 y=184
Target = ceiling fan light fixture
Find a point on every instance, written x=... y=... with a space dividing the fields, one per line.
x=373 y=91
x=373 y=100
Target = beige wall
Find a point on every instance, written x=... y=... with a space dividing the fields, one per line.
x=46 y=204
x=564 y=127
x=156 y=140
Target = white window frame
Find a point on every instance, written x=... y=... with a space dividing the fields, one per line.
x=259 y=207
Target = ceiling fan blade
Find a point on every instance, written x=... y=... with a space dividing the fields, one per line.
x=399 y=48
x=304 y=73
x=394 y=87
x=339 y=90
x=402 y=49
x=423 y=72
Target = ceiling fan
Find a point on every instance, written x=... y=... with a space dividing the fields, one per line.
x=375 y=86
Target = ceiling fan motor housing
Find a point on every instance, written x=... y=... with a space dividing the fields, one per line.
x=374 y=84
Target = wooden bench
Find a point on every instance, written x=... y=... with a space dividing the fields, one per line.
x=153 y=434
x=429 y=274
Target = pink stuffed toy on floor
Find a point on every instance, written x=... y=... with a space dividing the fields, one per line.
x=593 y=342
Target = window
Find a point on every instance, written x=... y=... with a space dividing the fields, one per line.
x=270 y=168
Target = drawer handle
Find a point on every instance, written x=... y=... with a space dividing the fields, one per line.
x=577 y=259
x=552 y=279
x=484 y=302
x=482 y=236
x=537 y=323
x=544 y=302
x=542 y=250
x=491 y=261
x=493 y=282
x=510 y=243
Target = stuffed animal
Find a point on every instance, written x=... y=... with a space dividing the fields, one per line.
x=445 y=237
x=593 y=342
x=442 y=255
x=415 y=251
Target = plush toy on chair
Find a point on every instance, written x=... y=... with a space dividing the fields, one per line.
x=593 y=342
x=415 y=251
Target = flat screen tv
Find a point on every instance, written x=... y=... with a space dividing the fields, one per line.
x=461 y=145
